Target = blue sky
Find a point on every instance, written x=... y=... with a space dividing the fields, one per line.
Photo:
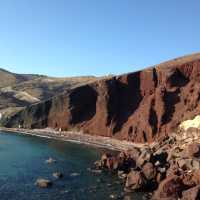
x=95 y=37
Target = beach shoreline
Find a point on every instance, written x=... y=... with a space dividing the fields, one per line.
x=77 y=137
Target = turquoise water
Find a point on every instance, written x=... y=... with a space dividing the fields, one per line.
x=22 y=161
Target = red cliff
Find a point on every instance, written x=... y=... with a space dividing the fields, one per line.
x=139 y=106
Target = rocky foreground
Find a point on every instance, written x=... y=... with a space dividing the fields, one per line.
x=168 y=169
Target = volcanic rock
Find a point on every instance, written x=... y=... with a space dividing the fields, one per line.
x=141 y=106
x=169 y=189
x=144 y=157
x=134 y=181
x=50 y=161
x=193 y=150
x=149 y=171
x=43 y=183
x=191 y=194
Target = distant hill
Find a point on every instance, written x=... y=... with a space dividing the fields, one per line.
x=20 y=90
x=8 y=78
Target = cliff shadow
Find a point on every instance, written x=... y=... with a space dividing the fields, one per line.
x=129 y=97
x=170 y=100
x=82 y=103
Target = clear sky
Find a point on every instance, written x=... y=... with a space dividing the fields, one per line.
x=95 y=37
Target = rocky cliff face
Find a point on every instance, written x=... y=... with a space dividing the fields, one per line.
x=139 y=106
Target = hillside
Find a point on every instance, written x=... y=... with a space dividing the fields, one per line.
x=8 y=78
x=139 y=106
x=18 y=90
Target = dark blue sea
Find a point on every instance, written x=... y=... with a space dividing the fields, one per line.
x=22 y=161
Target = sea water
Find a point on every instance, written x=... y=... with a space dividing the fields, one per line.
x=22 y=162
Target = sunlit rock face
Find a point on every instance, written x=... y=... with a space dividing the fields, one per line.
x=193 y=123
x=140 y=106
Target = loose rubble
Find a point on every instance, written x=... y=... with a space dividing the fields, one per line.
x=169 y=168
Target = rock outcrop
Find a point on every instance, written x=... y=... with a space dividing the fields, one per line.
x=140 y=106
x=167 y=169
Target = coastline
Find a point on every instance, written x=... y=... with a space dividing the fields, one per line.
x=77 y=137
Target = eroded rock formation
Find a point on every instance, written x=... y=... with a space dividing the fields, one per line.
x=139 y=106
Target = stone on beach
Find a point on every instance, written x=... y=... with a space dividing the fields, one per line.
x=43 y=183
x=74 y=174
x=144 y=157
x=50 y=160
x=57 y=175
x=134 y=181
x=169 y=189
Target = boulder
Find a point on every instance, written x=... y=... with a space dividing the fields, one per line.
x=169 y=189
x=144 y=157
x=193 y=150
x=188 y=164
x=116 y=163
x=160 y=156
x=173 y=153
x=191 y=194
x=43 y=183
x=173 y=170
x=133 y=153
x=104 y=158
x=184 y=163
x=110 y=163
x=121 y=174
x=196 y=176
x=50 y=160
x=134 y=181
x=98 y=164
x=187 y=179
x=149 y=171
x=74 y=174
x=57 y=175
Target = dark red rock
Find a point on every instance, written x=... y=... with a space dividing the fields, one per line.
x=169 y=189
x=187 y=179
x=145 y=156
x=149 y=171
x=133 y=153
x=196 y=177
x=191 y=194
x=173 y=170
x=140 y=106
x=193 y=150
x=134 y=181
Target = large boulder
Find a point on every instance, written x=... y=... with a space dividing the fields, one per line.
x=169 y=189
x=187 y=179
x=173 y=170
x=188 y=164
x=134 y=181
x=149 y=171
x=133 y=153
x=193 y=150
x=196 y=177
x=104 y=159
x=191 y=194
x=145 y=156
